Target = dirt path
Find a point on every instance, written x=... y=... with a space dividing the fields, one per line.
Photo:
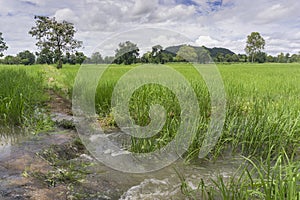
x=58 y=104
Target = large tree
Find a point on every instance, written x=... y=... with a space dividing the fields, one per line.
x=58 y=37
x=255 y=44
x=127 y=53
x=3 y=46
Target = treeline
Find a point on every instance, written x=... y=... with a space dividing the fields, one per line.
x=44 y=57
x=128 y=53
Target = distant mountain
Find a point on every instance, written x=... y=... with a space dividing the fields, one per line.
x=212 y=51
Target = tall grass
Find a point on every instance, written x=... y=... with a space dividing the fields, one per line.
x=21 y=99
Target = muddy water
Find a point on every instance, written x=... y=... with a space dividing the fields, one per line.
x=17 y=156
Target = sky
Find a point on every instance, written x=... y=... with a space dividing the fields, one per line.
x=212 y=23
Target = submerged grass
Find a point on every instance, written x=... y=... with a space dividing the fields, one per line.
x=273 y=178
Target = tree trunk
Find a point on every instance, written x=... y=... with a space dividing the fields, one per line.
x=59 y=64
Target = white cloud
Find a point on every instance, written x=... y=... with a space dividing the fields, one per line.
x=208 y=41
x=227 y=26
x=66 y=14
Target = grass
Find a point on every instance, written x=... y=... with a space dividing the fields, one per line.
x=21 y=100
x=262 y=120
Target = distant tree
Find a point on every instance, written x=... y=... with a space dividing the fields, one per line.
x=26 y=57
x=270 y=58
x=261 y=57
x=203 y=55
x=45 y=56
x=96 y=58
x=287 y=57
x=166 y=57
x=242 y=57
x=146 y=57
x=281 y=58
x=219 y=57
x=80 y=57
x=11 y=60
x=127 y=53
x=55 y=36
x=156 y=54
x=228 y=58
x=109 y=59
x=255 y=44
x=187 y=53
x=3 y=45
x=295 y=58
x=235 y=58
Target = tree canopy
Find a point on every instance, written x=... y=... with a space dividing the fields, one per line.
x=127 y=53
x=3 y=45
x=26 y=57
x=56 y=37
x=255 y=44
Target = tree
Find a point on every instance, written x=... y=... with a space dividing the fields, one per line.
x=3 y=46
x=281 y=58
x=96 y=58
x=45 y=56
x=261 y=57
x=295 y=58
x=203 y=55
x=187 y=53
x=79 y=57
x=255 y=44
x=26 y=57
x=109 y=59
x=270 y=58
x=127 y=53
x=11 y=60
x=156 y=54
x=146 y=57
x=55 y=36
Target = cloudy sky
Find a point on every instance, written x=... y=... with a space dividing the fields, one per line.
x=214 y=23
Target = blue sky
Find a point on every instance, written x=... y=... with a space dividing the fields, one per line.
x=214 y=23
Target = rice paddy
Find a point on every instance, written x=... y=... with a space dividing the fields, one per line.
x=262 y=120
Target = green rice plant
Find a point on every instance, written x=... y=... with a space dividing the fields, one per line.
x=273 y=178
x=21 y=100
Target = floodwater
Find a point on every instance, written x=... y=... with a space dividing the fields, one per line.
x=19 y=155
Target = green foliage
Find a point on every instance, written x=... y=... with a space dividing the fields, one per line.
x=3 y=45
x=11 y=60
x=96 y=58
x=26 y=57
x=187 y=53
x=261 y=57
x=206 y=52
x=55 y=37
x=21 y=100
x=45 y=56
x=127 y=53
x=255 y=44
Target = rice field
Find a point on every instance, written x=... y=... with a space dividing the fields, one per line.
x=262 y=119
